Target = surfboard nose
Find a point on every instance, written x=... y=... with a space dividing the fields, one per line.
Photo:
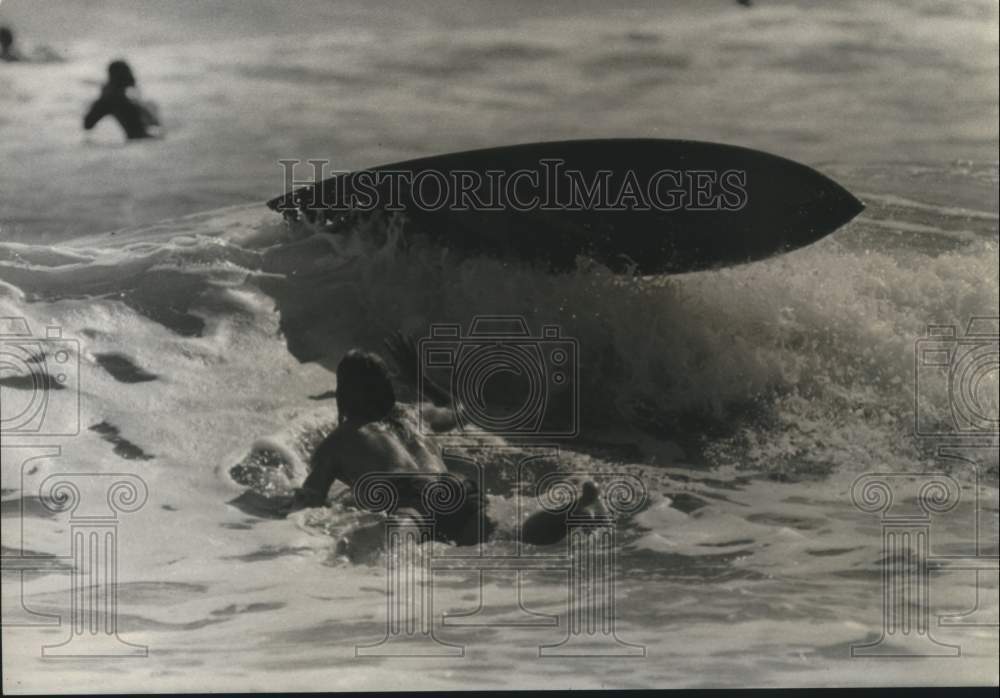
x=857 y=204
x=846 y=203
x=808 y=206
x=830 y=208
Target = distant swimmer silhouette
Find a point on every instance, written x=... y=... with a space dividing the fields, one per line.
x=546 y=527
x=7 y=51
x=10 y=54
x=136 y=118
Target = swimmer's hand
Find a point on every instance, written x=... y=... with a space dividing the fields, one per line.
x=304 y=498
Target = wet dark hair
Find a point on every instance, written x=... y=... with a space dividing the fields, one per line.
x=120 y=74
x=6 y=37
x=364 y=388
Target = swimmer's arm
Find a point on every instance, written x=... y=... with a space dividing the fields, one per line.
x=98 y=111
x=324 y=472
x=149 y=118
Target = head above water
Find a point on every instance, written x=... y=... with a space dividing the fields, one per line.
x=364 y=388
x=120 y=74
x=6 y=38
x=590 y=493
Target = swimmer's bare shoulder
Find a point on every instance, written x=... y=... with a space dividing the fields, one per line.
x=374 y=447
x=347 y=454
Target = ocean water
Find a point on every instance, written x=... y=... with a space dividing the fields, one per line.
x=746 y=400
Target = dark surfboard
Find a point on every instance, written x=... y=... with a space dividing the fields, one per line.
x=643 y=205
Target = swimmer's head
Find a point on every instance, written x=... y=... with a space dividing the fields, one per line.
x=120 y=74
x=6 y=38
x=364 y=389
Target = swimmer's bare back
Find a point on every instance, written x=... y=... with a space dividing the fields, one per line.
x=136 y=120
x=393 y=445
